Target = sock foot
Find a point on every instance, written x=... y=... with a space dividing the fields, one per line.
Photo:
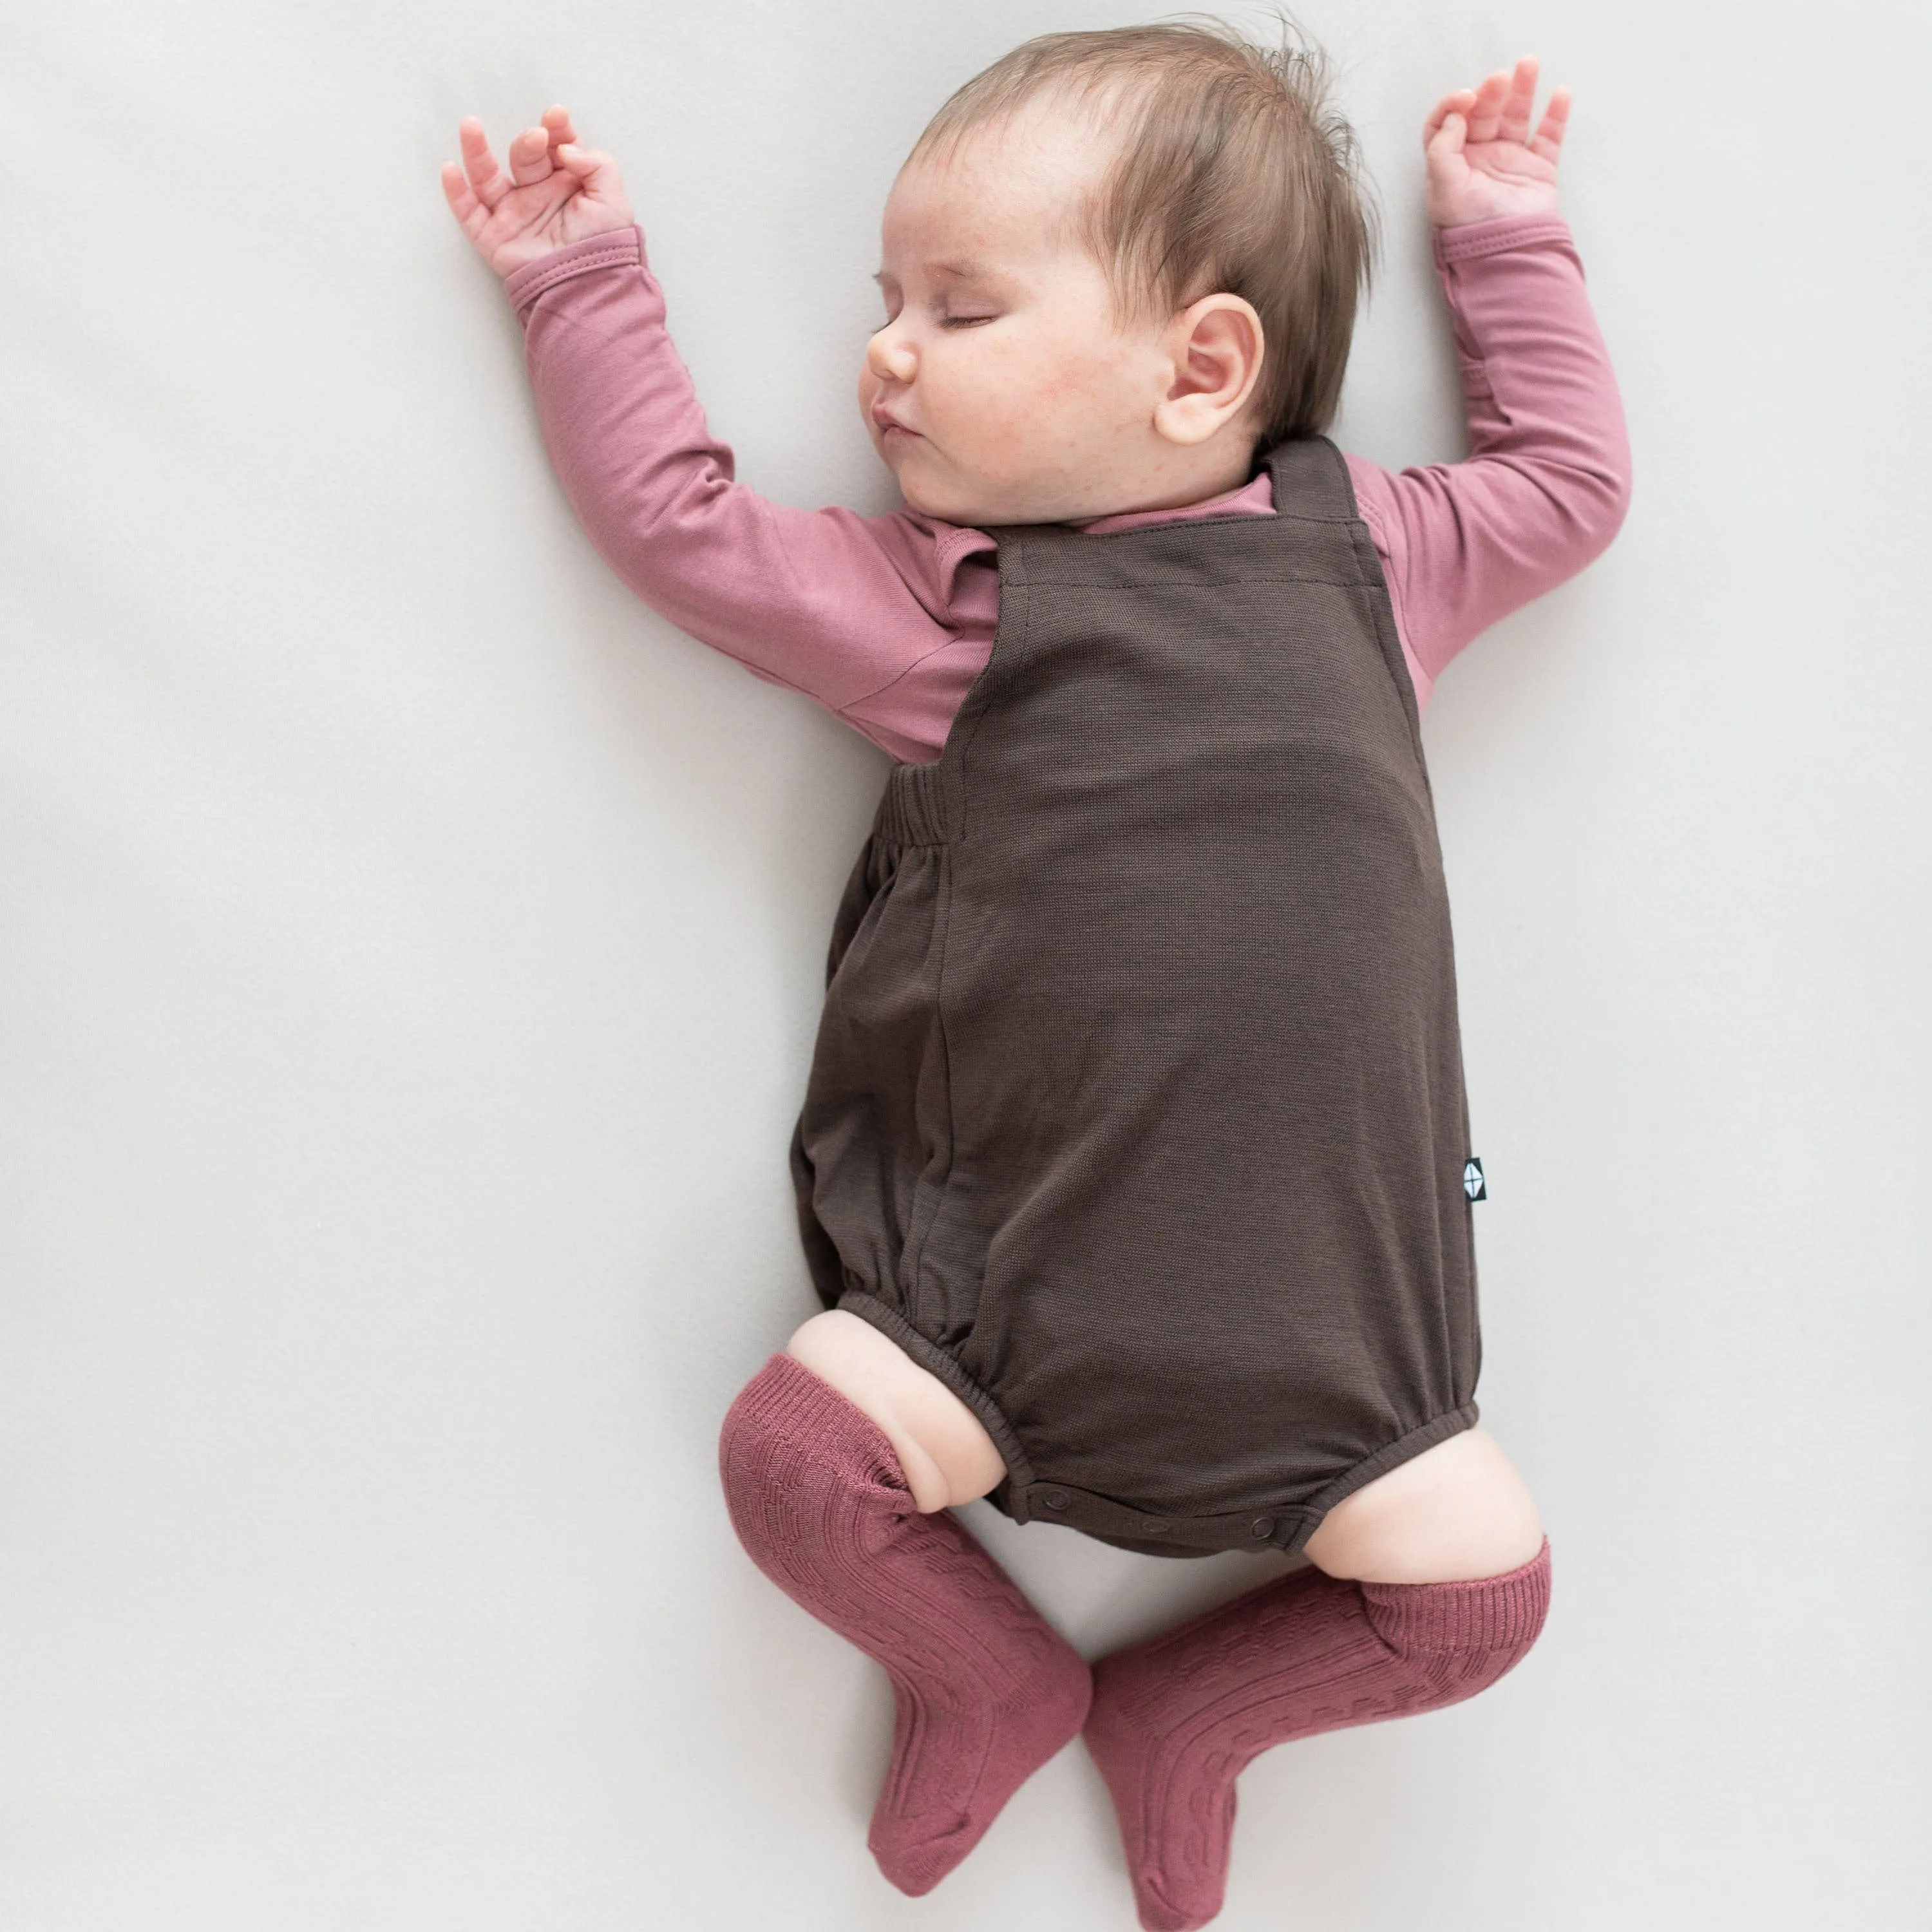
x=965 y=1764
x=985 y=1690
x=1173 y=1721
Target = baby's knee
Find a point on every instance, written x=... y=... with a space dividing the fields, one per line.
x=1457 y=1512
x=943 y=1448
x=1461 y=1637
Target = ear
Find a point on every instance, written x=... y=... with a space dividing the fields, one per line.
x=1214 y=349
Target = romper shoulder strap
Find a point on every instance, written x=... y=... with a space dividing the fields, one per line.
x=1312 y=485
x=1311 y=480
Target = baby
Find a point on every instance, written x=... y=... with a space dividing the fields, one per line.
x=1133 y=1168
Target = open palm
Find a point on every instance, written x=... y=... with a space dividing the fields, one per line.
x=555 y=192
x=1483 y=160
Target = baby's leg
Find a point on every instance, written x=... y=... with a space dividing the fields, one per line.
x=942 y=1446
x=1175 y=1720
x=1456 y=1511
x=984 y=1689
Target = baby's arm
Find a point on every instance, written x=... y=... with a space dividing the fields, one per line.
x=825 y=602
x=1547 y=480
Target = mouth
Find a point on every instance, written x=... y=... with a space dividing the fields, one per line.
x=888 y=423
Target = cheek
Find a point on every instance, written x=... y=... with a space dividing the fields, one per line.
x=1003 y=396
x=1094 y=376
x=1068 y=384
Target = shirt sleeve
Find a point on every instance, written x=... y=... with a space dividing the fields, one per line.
x=1546 y=482
x=826 y=602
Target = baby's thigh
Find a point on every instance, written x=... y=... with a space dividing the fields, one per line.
x=942 y=1446
x=1456 y=1511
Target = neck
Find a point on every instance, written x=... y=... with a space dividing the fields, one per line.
x=1233 y=471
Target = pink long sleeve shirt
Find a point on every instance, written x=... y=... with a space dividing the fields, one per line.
x=887 y=621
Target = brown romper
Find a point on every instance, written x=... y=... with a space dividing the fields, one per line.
x=1136 y=1113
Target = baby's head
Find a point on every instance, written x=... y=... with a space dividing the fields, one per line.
x=1114 y=265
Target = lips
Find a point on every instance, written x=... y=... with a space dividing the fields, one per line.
x=888 y=422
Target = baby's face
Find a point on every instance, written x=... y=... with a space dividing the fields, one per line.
x=1002 y=388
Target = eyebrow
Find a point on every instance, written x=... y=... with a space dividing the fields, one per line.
x=963 y=270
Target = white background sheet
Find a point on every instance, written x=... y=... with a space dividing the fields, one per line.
x=410 y=949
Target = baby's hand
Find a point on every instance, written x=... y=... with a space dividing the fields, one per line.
x=556 y=192
x=1482 y=160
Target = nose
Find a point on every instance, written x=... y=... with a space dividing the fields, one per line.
x=890 y=356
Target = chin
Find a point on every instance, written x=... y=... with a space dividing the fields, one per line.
x=957 y=502
x=978 y=502
x=948 y=506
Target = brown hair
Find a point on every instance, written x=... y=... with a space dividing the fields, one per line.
x=1234 y=175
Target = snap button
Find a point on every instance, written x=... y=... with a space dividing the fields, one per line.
x=1054 y=1498
x=1153 y=1526
x=1261 y=1529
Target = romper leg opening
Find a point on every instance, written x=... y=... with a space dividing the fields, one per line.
x=1391 y=1456
x=930 y=1356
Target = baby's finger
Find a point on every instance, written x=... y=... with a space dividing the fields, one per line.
x=1487 y=116
x=1556 y=118
x=1448 y=140
x=1514 y=123
x=529 y=156
x=1460 y=102
x=595 y=171
x=485 y=178
x=467 y=209
x=557 y=124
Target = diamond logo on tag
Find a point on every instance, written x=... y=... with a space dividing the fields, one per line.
x=1472 y=1179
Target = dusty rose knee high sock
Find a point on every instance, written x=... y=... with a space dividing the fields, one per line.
x=984 y=1689
x=1175 y=1719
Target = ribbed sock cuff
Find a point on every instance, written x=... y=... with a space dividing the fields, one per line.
x=1485 y=1613
x=785 y=1402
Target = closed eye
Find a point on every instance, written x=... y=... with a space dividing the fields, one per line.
x=965 y=321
